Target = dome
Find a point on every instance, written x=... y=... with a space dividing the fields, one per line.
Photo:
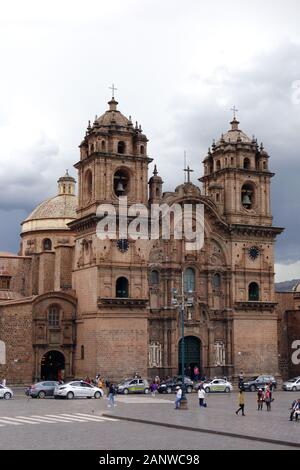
x=112 y=117
x=54 y=213
x=234 y=135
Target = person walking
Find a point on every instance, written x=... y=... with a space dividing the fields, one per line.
x=241 y=401
x=201 y=396
x=268 y=398
x=111 y=395
x=178 y=398
x=4 y=382
x=260 y=399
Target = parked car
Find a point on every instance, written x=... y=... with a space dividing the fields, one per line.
x=217 y=385
x=260 y=381
x=133 y=386
x=42 y=389
x=291 y=385
x=6 y=392
x=77 y=389
x=170 y=385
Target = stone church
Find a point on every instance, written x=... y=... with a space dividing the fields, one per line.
x=73 y=305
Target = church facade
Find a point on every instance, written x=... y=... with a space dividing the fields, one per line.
x=72 y=304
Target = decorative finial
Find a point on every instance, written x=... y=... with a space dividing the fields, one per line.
x=113 y=88
x=235 y=110
x=67 y=173
x=155 y=172
x=188 y=171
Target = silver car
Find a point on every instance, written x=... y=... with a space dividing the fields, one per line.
x=78 y=389
x=6 y=392
x=291 y=385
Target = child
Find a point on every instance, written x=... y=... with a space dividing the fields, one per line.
x=260 y=399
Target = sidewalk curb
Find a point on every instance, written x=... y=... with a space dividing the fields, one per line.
x=206 y=431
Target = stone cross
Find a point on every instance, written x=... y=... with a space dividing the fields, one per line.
x=113 y=89
x=188 y=170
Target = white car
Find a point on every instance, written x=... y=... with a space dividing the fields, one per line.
x=6 y=392
x=78 y=389
x=292 y=385
x=218 y=385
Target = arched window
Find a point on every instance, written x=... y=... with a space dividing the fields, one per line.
x=103 y=145
x=157 y=192
x=47 y=244
x=121 y=147
x=154 y=277
x=142 y=150
x=216 y=281
x=121 y=182
x=122 y=288
x=82 y=352
x=253 y=292
x=247 y=196
x=53 y=316
x=92 y=148
x=218 y=165
x=247 y=164
x=189 y=280
x=89 y=183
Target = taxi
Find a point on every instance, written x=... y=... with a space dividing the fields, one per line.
x=133 y=386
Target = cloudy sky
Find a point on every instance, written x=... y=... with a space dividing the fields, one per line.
x=179 y=67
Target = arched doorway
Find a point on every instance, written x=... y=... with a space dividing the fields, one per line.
x=192 y=355
x=52 y=366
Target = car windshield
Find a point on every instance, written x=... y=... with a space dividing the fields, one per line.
x=293 y=380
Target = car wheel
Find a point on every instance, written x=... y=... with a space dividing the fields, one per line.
x=207 y=390
x=252 y=388
x=146 y=391
x=169 y=390
x=7 y=396
x=125 y=391
x=189 y=389
x=227 y=389
x=294 y=389
x=70 y=395
x=97 y=395
x=41 y=394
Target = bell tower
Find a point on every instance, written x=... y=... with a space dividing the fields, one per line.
x=113 y=162
x=237 y=177
x=110 y=275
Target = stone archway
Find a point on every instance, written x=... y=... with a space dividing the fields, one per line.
x=52 y=366
x=192 y=355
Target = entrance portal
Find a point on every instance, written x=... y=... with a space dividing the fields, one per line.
x=52 y=366
x=192 y=357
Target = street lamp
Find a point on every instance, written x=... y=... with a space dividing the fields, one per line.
x=181 y=301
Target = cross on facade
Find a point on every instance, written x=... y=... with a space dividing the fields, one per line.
x=188 y=171
x=235 y=110
x=113 y=89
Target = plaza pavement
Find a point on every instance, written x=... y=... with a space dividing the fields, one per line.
x=219 y=417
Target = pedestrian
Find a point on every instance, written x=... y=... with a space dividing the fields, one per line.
x=241 y=400
x=241 y=379
x=196 y=373
x=4 y=382
x=107 y=383
x=295 y=410
x=100 y=383
x=154 y=388
x=260 y=399
x=201 y=396
x=111 y=395
x=178 y=397
x=268 y=399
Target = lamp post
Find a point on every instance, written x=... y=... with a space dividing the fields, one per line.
x=182 y=304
